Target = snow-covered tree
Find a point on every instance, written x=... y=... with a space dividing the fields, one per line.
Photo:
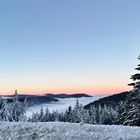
x=18 y=109
x=1 y=102
x=47 y=115
x=56 y=116
x=108 y=115
x=91 y=115
x=136 y=78
x=102 y=114
x=35 y=117
x=68 y=115
x=4 y=111
x=130 y=111
x=84 y=115
x=75 y=113
x=41 y=115
x=94 y=115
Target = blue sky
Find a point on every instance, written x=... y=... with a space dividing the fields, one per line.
x=68 y=46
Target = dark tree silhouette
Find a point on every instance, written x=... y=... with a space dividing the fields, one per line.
x=130 y=110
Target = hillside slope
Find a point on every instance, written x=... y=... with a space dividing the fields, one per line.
x=112 y=100
x=66 y=131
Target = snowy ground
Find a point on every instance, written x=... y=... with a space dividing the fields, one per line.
x=63 y=104
x=66 y=131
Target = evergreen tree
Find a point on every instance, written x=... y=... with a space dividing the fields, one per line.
x=35 y=117
x=41 y=115
x=1 y=102
x=91 y=115
x=84 y=114
x=136 y=78
x=130 y=112
x=4 y=112
x=108 y=115
x=47 y=115
x=18 y=109
x=101 y=115
x=56 y=116
x=68 y=115
x=75 y=113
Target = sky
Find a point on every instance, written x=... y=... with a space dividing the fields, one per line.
x=68 y=46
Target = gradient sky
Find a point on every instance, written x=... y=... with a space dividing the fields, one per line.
x=68 y=46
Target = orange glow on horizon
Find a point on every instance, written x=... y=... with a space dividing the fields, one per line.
x=92 y=91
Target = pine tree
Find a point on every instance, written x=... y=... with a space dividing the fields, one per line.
x=18 y=109
x=1 y=102
x=108 y=115
x=56 y=116
x=68 y=115
x=83 y=114
x=130 y=111
x=41 y=115
x=4 y=112
x=136 y=78
x=91 y=115
x=47 y=115
x=35 y=117
x=75 y=113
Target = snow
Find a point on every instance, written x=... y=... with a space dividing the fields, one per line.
x=66 y=131
x=62 y=104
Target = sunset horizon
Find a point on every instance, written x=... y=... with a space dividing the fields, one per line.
x=89 y=92
x=70 y=70
x=48 y=47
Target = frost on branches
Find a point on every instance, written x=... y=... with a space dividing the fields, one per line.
x=94 y=115
x=130 y=111
x=14 y=111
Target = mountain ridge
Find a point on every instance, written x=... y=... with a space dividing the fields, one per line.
x=42 y=99
x=112 y=100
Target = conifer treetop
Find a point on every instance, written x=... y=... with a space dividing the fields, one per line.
x=136 y=78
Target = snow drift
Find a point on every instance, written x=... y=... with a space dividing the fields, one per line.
x=66 y=131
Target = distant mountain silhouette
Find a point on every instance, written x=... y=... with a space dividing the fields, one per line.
x=42 y=99
x=77 y=95
x=33 y=99
x=112 y=100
